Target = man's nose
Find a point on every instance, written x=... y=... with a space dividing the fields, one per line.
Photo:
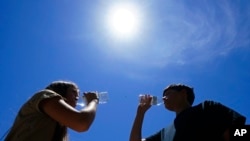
x=77 y=97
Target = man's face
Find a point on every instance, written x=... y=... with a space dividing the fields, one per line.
x=172 y=98
x=72 y=96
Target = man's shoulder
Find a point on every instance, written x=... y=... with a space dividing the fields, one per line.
x=45 y=93
x=209 y=103
x=41 y=95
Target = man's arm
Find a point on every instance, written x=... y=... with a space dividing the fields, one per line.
x=62 y=112
x=135 y=134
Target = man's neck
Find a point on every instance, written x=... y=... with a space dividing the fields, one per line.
x=182 y=108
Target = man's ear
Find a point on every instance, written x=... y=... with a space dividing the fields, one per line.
x=184 y=93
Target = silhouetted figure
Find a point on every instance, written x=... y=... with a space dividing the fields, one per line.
x=48 y=113
x=207 y=121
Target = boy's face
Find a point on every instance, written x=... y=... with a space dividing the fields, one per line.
x=72 y=96
x=173 y=99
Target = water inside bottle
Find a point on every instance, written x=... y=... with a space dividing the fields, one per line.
x=155 y=100
x=103 y=98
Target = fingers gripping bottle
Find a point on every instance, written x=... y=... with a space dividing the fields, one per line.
x=155 y=99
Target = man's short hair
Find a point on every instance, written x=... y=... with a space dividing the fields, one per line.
x=179 y=87
x=61 y=87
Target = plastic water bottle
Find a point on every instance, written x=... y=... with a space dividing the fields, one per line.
x=102 y=96
x=156 y=101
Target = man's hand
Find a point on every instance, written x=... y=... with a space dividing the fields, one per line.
x=90 y=96
x=145 y=103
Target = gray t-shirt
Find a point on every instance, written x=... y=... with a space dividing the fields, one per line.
x=31 y=124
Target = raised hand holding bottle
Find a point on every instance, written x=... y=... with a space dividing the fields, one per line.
x=102 y=98
x=155 y=100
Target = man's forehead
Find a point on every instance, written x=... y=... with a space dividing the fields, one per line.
x=74 y=89
x=170 y=90
x=167 y=91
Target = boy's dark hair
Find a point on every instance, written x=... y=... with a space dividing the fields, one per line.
x=61 y=87
x=179 y=87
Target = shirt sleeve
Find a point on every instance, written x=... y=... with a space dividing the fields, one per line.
x=154 y=137
x=42 y=95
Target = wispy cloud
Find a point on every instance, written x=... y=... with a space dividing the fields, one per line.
x=199 y=32
x=188 y=33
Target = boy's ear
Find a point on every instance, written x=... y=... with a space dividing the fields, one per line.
x=184 y=92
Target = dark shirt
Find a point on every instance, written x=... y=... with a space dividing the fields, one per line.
x=206 y=121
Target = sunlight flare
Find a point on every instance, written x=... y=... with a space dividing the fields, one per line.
x=123 y=20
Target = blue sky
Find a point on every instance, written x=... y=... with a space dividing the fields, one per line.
x=201 y=43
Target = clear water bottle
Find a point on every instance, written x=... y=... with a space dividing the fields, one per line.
x=102 y=96
x=156 y=101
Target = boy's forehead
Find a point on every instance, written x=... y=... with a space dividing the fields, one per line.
x=169 y=91
x=74 y=89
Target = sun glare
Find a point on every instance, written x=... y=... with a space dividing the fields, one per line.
x=123 y=20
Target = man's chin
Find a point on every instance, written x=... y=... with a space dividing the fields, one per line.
x=168 y=108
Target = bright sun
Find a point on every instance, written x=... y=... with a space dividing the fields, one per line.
x=123 y=20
